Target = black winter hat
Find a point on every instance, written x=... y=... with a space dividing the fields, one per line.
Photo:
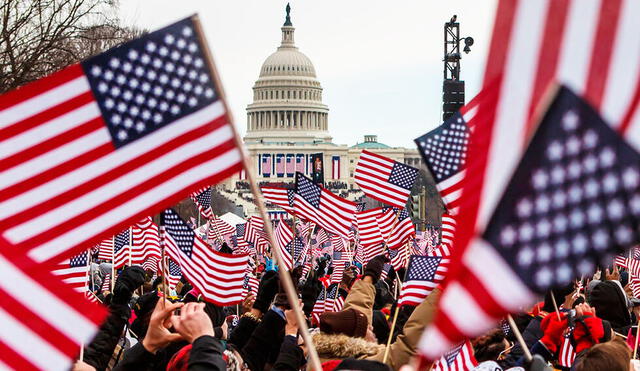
x=611 y=305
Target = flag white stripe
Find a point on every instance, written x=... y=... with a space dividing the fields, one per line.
x=119 y=185
x=126 y=210
x=43 y=303
x=44 y=101
x=29 y=344
x=46 y=161
x=449 y=182
x=457 y=296
x=506 y=288
x=624 y=69
x=90 y=171
x=49 y=129
x=513 y=108
x=577 y=44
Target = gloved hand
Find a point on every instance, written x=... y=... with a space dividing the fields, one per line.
x=552 y=327
x=130 y=279
x=589 y=329
x=374 y=267
x=267 y=290
x=271 y=265
x=225 y=249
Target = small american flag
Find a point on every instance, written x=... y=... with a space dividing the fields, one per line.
x=318 y=307
x=282 y=197
x=399 y=257
x=73 y=272
x=330 y=300
x=95 y=147
x=315 y=203
x=384 y=179
x=202 y=199
x=448 y=229
x=254 y=229
x=250 y=285
x=218 y=227
x=216 y=275
x=105 y=249
x=146 y=245
x=566 y=353
x=106 y=283
x=122 y=248
x=284 y=237
x=460 y=358
x=174 y=274
x=369 y=228
x=402 y=231
x=423 y=275
x=44 y=321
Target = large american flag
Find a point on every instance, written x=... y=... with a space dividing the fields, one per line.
x=74 y=271
x=202 y=199
x=95 y=147
x=459 y=358
x=315 y=203
x=219 y=228
x=384 y=179
x=44 y=321
x=216 y=275
x=282 y=197
x=572 y=203
x=424 y=273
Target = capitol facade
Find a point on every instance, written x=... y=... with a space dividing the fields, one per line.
x=287 y=124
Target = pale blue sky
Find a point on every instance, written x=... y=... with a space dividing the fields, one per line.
x=379 y=62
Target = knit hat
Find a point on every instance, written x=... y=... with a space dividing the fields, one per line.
x=350 y=322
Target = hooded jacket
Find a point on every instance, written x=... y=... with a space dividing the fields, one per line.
x=361 y=297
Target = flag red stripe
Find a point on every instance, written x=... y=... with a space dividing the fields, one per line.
x=37 y=87
x=46 y=115
x=40 y=148
x=13 y=359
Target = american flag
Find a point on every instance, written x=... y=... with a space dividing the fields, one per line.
x=73 y=272
x=299 y=250
x=315 y=203
x=321 y=237
x=566 y=353
x=174 y=273
x=369 y=225
x=146 y=245
x=202 y=199
x=291 y=166
x=300 y=163
x=330 y=300
x=444 y=151
x=106 y=283
x=423 y=275
x=339 y=261
x=399 y=257
x=384 y=179
x=218 y=227
x=44 y=321
x=318 y=307
x=280 y=165
x=459 y=358
x=216 y=275
x=254 y=229
x=243 y=245
x=122 y=248
x=448 y=229
x=266 y=165
x=95 y=147
x=282 y=197
x=250 y=285
x=284 y=237
x=304 y=229
x=572 y=203
x=105 y=249
x=634 y=282
x=402 y=231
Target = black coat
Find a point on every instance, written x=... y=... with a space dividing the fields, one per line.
x=263 y=345
x=99 y=351
x=291 y=356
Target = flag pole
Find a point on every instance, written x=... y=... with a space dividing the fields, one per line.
x=285 y=278
x=395 y=319
x=165 y=281
x=518 y=335
x=113 y=263
x=130 y=245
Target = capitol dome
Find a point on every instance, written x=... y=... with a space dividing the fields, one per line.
x=287 y=103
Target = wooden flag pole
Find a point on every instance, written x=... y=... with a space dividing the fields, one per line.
x=285 y=278
x=555 y=305
x=165 y=281
x=395 y=319
x=130 y=245
x=518 y=335
x=113 y=263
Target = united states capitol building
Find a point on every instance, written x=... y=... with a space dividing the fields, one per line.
x=287 y=123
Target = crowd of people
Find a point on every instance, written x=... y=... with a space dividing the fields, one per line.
x=162 y=330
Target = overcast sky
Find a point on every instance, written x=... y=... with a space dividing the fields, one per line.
x=379 y=62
